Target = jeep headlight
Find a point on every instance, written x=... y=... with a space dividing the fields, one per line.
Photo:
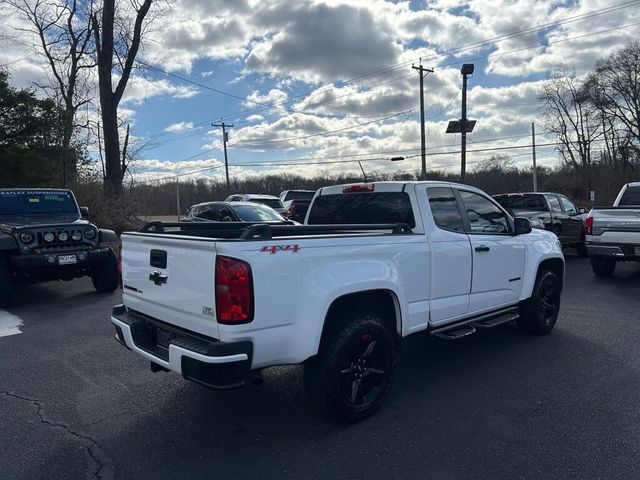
x=26 y=237
x=48 y=237
x=90 y=234
x=63 y=236
x=76 y=236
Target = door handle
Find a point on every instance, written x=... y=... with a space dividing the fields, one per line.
x=482 y=248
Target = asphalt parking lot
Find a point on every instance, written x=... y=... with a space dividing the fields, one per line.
x=499 y=404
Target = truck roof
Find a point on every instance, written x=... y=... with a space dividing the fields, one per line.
x=394 y=186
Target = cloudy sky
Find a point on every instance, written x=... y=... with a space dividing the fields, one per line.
x=311 y=86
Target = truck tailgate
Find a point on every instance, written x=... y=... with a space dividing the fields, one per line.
x=171 y=279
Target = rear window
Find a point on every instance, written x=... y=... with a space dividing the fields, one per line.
x=522 y=202
x=269 y=202
x=359 y=208
x=300 y=196
x=631 y=196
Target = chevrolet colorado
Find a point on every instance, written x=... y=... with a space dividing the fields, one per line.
x=376 y=262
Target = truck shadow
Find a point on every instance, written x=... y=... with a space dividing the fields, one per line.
x=497 y=404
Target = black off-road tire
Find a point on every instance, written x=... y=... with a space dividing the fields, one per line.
x=581 y=250
x=539 y=313
x=603 y=266
x=329 y=377
x=105 y=275
x=6 y=282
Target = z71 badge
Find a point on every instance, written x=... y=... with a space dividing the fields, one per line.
x=280 y=248
x=209 y=311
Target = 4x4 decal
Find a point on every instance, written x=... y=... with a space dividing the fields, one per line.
x=272 y=249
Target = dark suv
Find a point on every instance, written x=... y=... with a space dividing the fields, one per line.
x=44 y=235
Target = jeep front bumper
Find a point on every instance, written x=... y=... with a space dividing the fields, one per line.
x=51 y=259
x=206 y=361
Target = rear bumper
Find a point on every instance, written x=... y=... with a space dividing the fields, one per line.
x=208 y=362
x=616 y=251
x=85 y=258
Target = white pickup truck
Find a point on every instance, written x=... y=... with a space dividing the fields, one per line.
x=374 y=263
x=612 y=234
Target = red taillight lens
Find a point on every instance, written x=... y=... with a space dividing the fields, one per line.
x=359 y=187
x=588 y=225
x=234 y=295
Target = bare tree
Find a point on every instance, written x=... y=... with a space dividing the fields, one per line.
x=118 y=35
x=573 y=119
x=614 y=88
x=64 y=38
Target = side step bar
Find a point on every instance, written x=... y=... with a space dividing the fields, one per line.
x=468 y=326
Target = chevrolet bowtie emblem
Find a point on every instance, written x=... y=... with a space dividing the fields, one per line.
x=157 y=278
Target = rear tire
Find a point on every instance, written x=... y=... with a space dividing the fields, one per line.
x=602 y=266
x=539 y=313
x=351 y=375
x=6 y=282
x=105 y=275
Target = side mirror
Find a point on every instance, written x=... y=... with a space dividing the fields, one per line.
x=84 y=212
x=582 y=211
x=522 y=225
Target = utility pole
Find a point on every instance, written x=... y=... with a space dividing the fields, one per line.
x=422 y=72
x=178 y=196
x=225 y=139
x=535 y=168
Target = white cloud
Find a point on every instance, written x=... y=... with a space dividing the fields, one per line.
x=179 y=127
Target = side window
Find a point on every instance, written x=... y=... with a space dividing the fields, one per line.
x=444 y=208
x=484 y=215
x=554 y=204
x=569 y=207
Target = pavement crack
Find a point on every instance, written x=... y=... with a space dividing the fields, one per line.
x=90 y=444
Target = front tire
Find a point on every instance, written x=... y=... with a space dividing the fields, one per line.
x=351 y=375
x=105 y=275
x=539 y=313
x=602 y=266
x=6 y=283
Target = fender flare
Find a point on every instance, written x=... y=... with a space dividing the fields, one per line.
x=107 y=236
x=7 y=243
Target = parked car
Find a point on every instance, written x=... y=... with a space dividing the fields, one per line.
x=447 y=260
x=296 y=203
x=44 y=235
x=613 y=233
x=232 y=212
x=268 y=200
x=551 y=211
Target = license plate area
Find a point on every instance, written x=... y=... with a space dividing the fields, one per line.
x=67 y=259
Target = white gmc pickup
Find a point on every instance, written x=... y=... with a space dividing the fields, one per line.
x=374 y=263
x=612 y=234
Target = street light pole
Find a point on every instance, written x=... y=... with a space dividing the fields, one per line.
x=467 y=69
